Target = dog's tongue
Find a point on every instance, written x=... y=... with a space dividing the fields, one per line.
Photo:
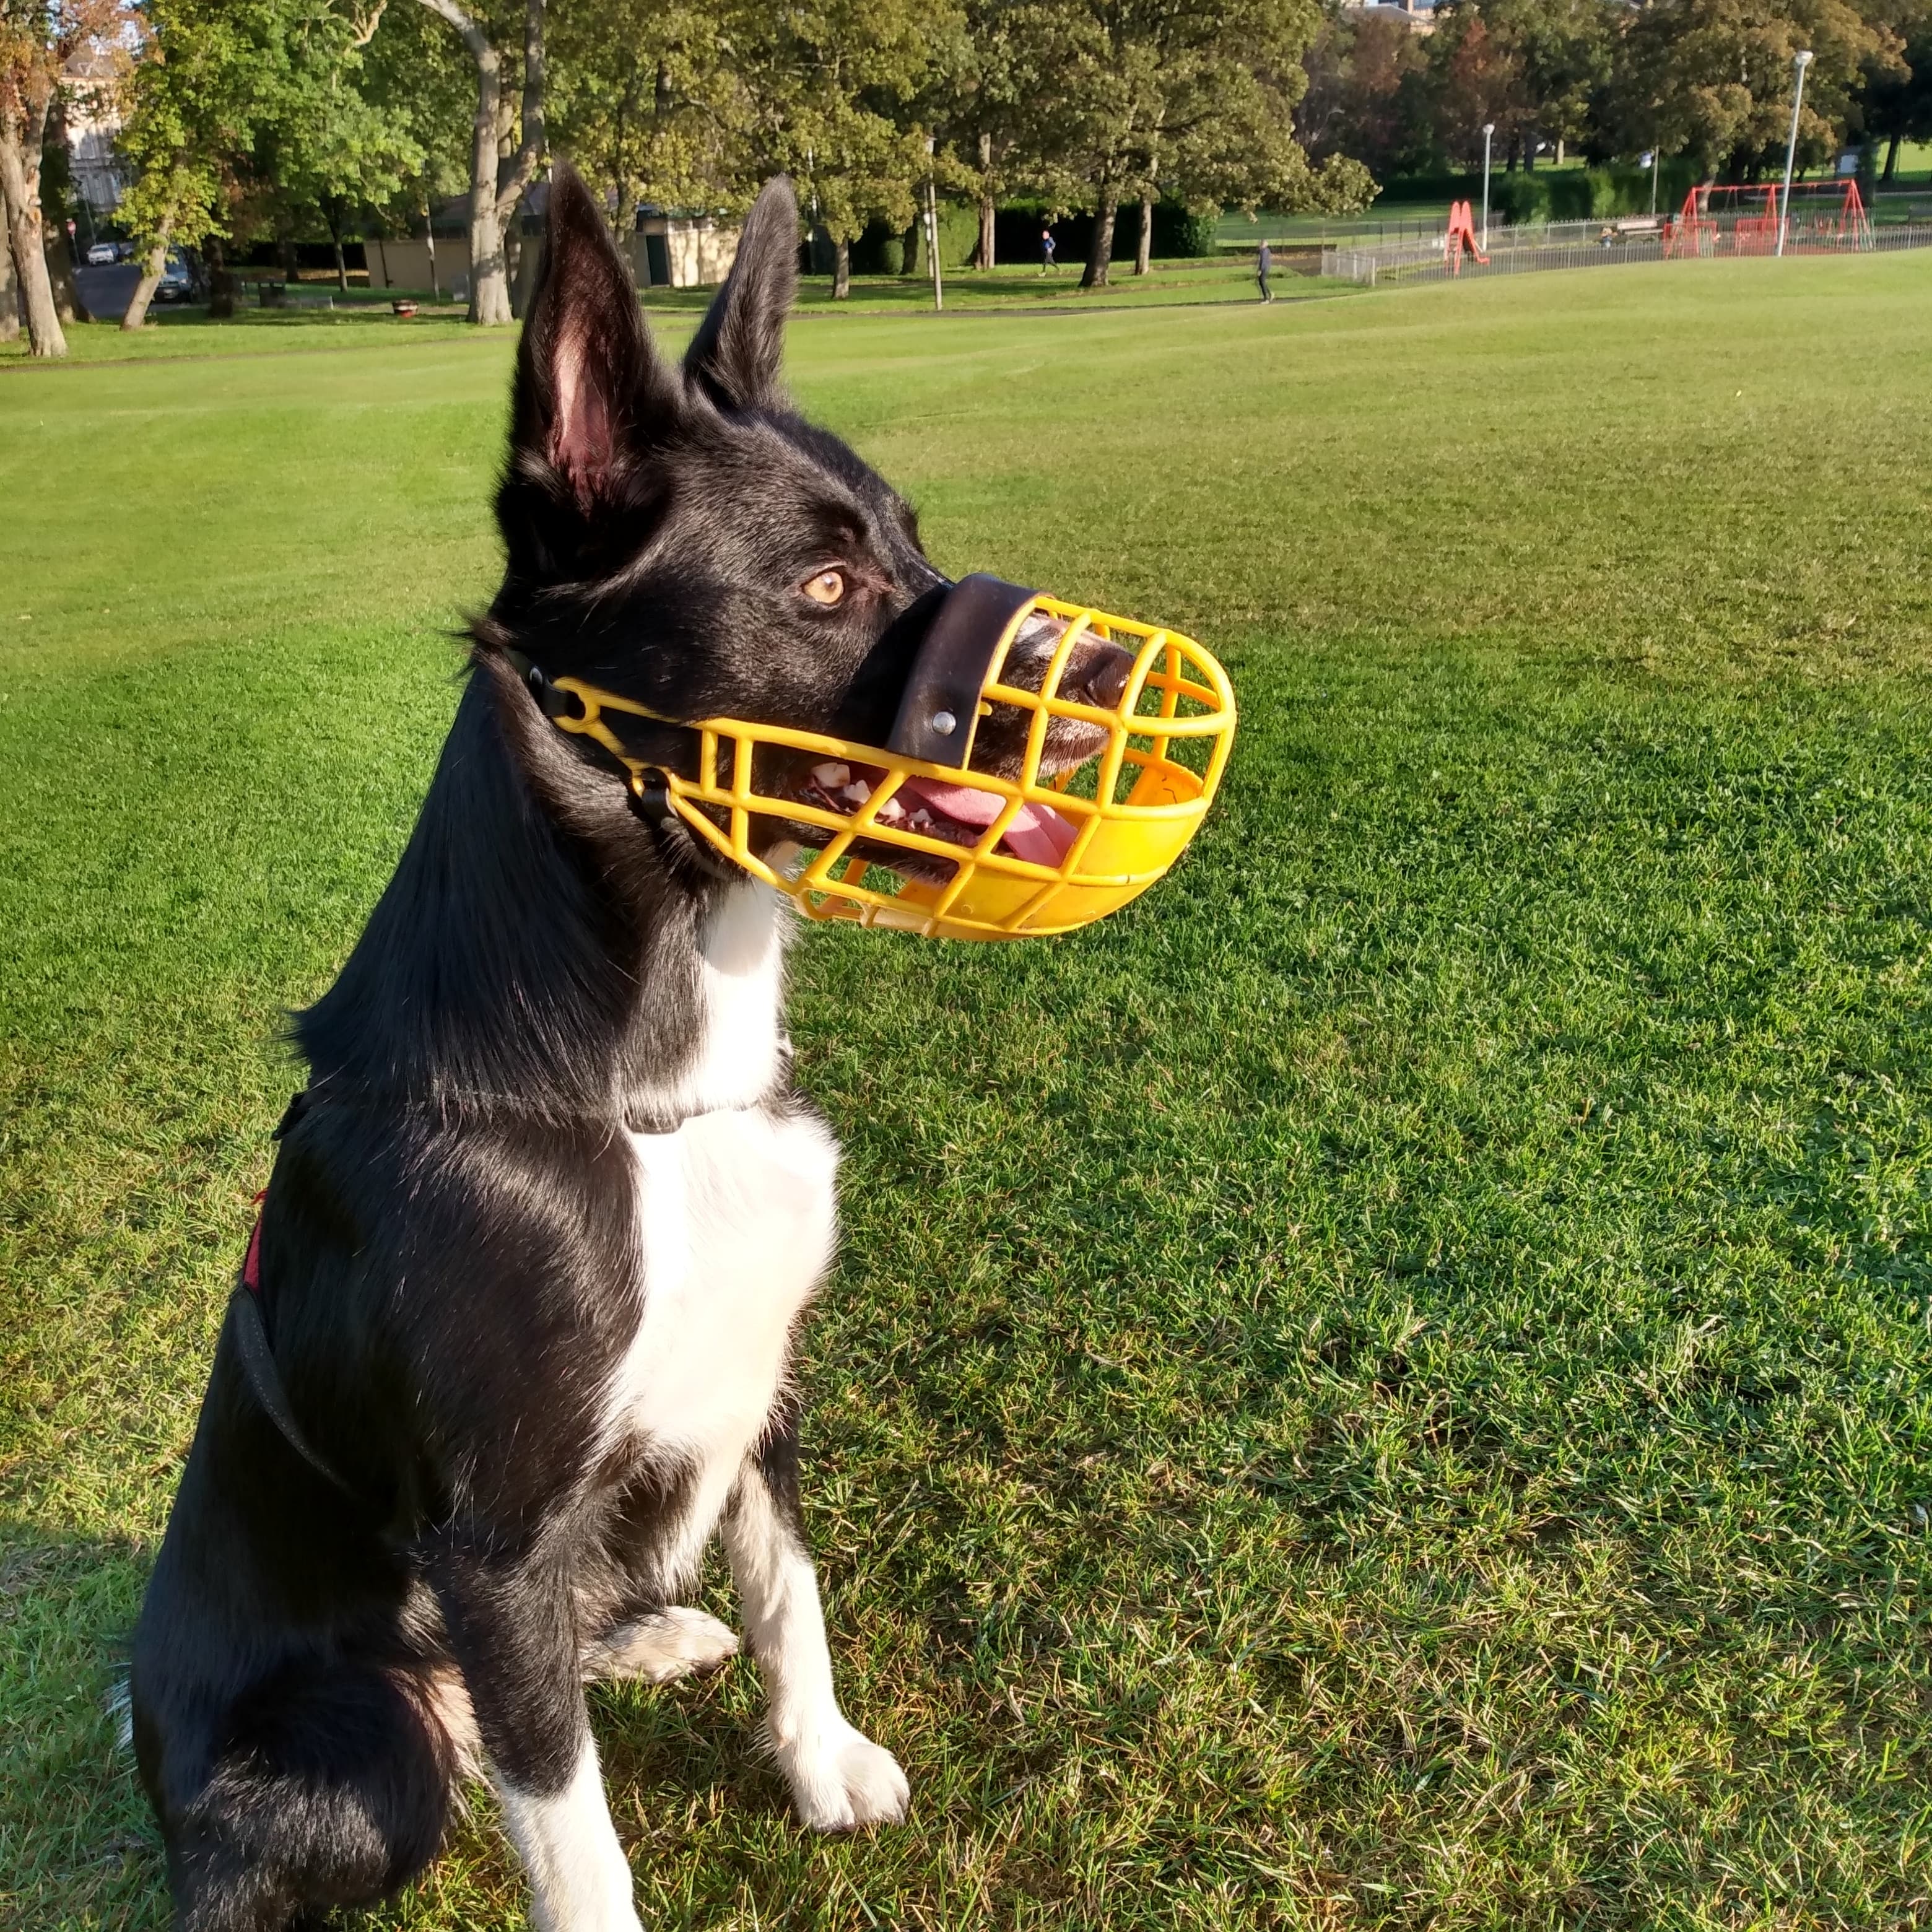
x=1038 y=834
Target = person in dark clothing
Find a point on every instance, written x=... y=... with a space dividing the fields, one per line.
x=1046 y=251
x=1264 y=262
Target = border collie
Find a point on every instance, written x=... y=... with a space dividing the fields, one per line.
x=540 y=1229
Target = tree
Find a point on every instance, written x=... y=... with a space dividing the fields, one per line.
x=499 y=171
x=336 y=151
x=209 y=77
x=1197 y=99
x=1477 y=79
x=983 y=107
x=38 y=39
x=1898 y=105
x=419 y=77
x=1713 y=78
x=648 y=103
x=831 y=84
x=1366 y=75
x=1561 y=51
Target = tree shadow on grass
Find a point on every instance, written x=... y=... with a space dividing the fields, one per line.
x=77 y=1845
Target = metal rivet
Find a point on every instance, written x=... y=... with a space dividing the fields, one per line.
x=944 y=723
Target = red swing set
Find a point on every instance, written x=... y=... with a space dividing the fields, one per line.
x=1819 y=217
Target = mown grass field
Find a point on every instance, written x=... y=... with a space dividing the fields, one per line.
x=1386 y=1384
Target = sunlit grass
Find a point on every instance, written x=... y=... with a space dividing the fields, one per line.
x=1388 y=1384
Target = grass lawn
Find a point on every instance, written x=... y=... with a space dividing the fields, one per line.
x=1385 y=1385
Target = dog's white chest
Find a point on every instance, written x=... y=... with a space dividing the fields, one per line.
x=737 y=1214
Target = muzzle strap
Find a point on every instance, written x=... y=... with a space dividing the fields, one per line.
x=940 y=711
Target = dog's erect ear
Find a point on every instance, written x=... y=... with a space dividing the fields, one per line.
x=735 y=353
x=589 y=392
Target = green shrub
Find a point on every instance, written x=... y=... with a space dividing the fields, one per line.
x=959 y=236
x=1553 y=194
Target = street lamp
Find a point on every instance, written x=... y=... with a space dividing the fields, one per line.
x=1801 y=60
x=932 y=226
x=1488 y=130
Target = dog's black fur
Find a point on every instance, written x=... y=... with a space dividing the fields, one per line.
x=449 y=1255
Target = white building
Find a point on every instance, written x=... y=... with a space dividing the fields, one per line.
x=93 y=122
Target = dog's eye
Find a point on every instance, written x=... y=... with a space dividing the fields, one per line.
x=827 y=588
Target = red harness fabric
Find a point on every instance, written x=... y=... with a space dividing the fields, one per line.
x=251 y=1268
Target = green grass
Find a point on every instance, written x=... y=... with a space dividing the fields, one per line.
x=1385 y=1385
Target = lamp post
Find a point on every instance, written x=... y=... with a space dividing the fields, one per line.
x=1488 y=130
x=932 y=227
x=1655 y=155
x=1801 y=60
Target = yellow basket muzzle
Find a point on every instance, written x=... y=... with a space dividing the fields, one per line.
x=1099 y=833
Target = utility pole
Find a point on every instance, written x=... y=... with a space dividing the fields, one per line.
x=1488 y=130
x=932 y=227
x=1801 y=60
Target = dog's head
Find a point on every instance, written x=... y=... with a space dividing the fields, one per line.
x=680 y=535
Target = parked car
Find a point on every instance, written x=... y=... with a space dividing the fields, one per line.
x=176 y=284
x=103 y=254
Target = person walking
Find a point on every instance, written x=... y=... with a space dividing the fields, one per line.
x=1046 y=251
x=1263 y=261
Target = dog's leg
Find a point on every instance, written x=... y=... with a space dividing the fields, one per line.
x=512 y=1630
x=839 y=1778
x=660 y=1648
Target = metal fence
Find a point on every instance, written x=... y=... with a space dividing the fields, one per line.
x=1566 y=244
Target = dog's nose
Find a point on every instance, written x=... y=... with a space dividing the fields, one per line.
x=1106 y=678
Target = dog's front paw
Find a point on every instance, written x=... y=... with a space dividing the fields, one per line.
x=844 y=1781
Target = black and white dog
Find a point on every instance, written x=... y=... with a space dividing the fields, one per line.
x=537 y=1237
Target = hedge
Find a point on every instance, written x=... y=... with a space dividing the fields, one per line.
x=882 y=251
x=1177 y=233
x=1551 y=194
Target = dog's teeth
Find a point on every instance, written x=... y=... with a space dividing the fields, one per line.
x=831 y=775
x=858 y=791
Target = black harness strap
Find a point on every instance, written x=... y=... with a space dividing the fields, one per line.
x=251 y=1334
x=258 y=1364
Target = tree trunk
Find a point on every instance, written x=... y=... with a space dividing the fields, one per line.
x=988 y=247
x=497 y=180
x=285 y=247
x=151 y=279
x=1144 y=254
x=1101 y=252
x=1529 y=152
x=842 y=269
x=10 y=303
x=67 y=304
x=513 y=260
x=1891 y=158
x=429 y=237
x=27 y=244
x=489 y=289
x=341 y=266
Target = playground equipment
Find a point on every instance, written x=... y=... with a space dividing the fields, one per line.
x=1462 y=234
x=1820 y=217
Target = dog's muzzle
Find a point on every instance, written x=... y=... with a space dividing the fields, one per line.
x=1074 y=805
